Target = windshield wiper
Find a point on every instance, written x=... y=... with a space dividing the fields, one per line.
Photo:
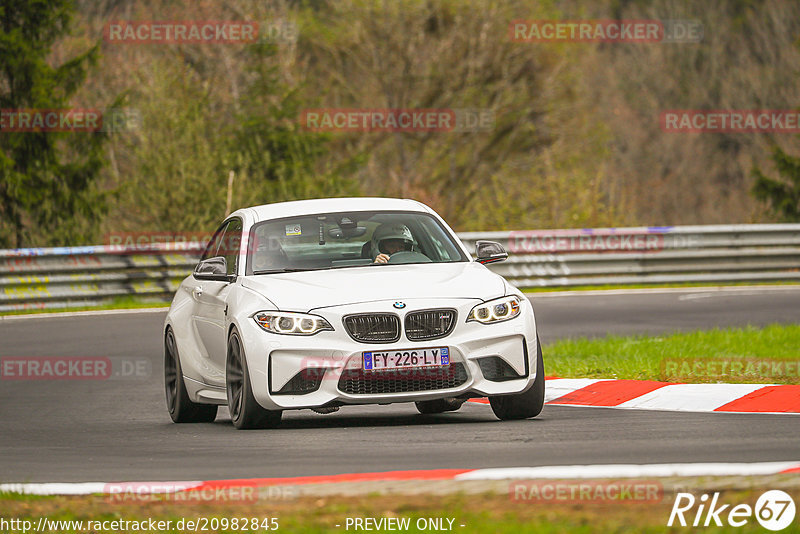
x=354 y=265
x=290 y=270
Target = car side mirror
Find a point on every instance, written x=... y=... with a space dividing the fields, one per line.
x=490 y=252
x=212 y=269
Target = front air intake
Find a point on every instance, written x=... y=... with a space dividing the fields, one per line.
x=497 y=369
x=360 y=382
x=306 y=381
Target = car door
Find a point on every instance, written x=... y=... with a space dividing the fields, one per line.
x=210 y=300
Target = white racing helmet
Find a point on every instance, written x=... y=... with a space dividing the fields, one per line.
x=390 y=231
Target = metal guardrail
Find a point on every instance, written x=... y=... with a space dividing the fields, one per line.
x=620 y=256
x=64 y=277
x=77 y=276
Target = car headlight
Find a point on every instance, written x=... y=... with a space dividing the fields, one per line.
x=496 y=310
x=295 y=324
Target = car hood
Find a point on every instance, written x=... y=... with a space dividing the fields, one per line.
x=305 y=291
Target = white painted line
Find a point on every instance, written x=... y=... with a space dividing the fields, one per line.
x=89 y=488
x=698 y=296
x=87 y=313
x=650 y=290
x=503 y=473
x=691 y=397
x=55 y=488
x=630 y=471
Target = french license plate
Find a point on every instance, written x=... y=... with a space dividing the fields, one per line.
x=404 y=359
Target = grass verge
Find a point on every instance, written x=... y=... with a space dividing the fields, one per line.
x=769 y=355
x=486 y=513
x=688 y=285
x=117 y=303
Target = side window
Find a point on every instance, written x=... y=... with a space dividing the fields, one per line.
x=231 y=244
x=211 y=249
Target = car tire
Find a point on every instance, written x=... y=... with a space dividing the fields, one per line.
x=181 y=408
x=449 y=404
x=245 y=411
x=523 y=405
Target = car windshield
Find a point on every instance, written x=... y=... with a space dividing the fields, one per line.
x=352 y=239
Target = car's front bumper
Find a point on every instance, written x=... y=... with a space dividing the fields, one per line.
x=273 y=360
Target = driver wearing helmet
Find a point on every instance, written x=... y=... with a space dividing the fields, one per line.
x=390 y=238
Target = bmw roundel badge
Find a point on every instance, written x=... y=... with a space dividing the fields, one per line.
x=399 y=305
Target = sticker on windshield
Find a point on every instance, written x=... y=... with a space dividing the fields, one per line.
x=293 y=229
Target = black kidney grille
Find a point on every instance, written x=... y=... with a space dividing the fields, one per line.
x=360 y=382
x=373 y=327
x=429 y=324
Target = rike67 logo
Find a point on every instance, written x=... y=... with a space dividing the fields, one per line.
x=774 y=510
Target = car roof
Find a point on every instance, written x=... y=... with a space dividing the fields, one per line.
x=330 y=205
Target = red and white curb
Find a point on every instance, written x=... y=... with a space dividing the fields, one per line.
x=565 y=472
x=651 y=395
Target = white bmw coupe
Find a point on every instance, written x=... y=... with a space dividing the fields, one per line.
x=317 y=304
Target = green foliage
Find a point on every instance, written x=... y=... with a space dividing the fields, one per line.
x=783 y=196
x=576 y=140
x=173 y=179
x=644 y=357
x=195 y=133
x=274 y=158
x=48 y=180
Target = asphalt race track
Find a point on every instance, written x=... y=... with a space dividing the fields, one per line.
x=118 y=429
